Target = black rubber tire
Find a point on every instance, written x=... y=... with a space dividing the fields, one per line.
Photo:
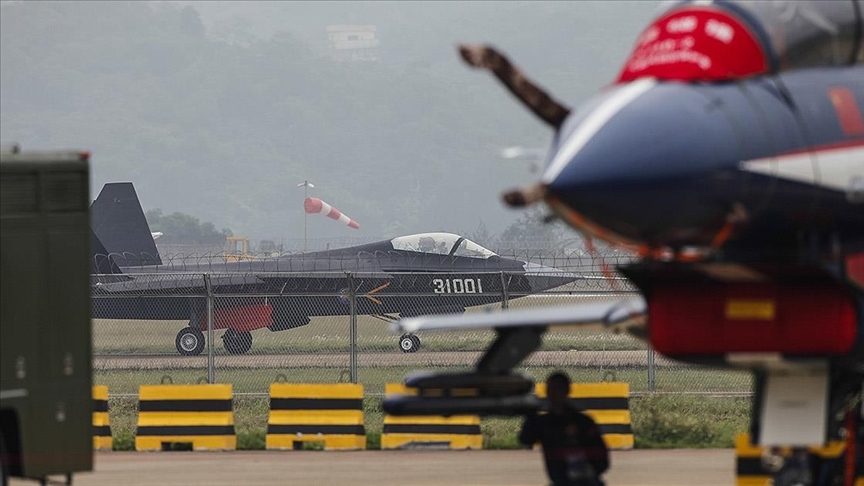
x=237 y=342
x=409 y=343
x=189 y=341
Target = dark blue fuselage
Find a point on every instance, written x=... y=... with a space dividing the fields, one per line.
x=666 y=163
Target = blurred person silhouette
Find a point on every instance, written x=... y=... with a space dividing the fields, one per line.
x=573 y=449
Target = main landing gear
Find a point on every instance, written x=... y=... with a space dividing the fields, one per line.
x=190 y=341
x=237 y=342
x=409 y=343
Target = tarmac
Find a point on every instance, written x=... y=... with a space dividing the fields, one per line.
x=438 y=358
x=676 y=467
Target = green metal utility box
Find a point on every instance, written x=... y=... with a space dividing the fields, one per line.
x=45 y=346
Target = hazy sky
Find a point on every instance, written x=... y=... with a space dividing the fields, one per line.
x=72 y=89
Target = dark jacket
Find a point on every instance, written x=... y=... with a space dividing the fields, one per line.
x=573 y=448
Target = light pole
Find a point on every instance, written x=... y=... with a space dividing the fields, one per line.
x=305 y=185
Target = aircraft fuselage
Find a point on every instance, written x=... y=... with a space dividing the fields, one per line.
x=670 y=163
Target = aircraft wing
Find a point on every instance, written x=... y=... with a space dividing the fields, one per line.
x=161 y=283
x=497 y=390
x=191 y=282
x=626 y=312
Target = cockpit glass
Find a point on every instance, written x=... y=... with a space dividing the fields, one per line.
x=468 y=248
x=809 y=33
x=441 y=244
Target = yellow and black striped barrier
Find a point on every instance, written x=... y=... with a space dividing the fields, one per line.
x=750 y=470
x=328 y=413
x=102 y=439
x=198 y=414
x=455 y=432
x=608 y=404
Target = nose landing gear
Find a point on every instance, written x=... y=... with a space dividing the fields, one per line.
x=409 y=343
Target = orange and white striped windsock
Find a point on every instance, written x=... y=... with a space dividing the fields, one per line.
x=313 y=205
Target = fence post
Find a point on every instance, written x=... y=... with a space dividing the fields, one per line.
x=211 y=373
x=650 y=369
x=505 y=295
x=352 y=295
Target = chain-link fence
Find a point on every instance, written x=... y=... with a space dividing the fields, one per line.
x=252 y=329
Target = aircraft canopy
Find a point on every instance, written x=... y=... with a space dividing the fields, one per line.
x=442 y=244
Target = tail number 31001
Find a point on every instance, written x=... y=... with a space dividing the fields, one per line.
x=458 y=286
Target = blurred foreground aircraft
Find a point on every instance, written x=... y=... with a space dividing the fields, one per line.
x=729 y=155
x=429 y=273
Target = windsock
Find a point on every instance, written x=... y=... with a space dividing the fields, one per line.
x=314 y=205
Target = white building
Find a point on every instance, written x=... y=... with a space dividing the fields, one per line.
x=354 y=42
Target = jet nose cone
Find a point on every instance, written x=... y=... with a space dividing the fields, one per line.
x=542 y=278
x=626 y=161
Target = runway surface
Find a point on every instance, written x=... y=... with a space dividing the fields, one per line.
x=683 y=467
x=442 y=358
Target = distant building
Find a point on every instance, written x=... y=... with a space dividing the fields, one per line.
x=354 y=42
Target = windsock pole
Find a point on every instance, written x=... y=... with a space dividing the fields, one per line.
x=305 y=185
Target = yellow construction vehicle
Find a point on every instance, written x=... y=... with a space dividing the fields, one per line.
x=237 y=249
